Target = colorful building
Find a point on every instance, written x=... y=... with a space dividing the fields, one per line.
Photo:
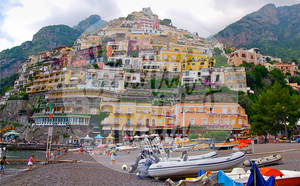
x=240 y=56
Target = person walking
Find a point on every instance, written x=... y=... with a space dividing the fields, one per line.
x=58 y=151
x=66 y=151
x=3 y=162
x=113 y=156
x=30 y=162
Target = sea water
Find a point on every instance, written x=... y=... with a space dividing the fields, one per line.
x=13 y=168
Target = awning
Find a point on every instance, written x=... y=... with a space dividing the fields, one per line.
x=128 y=128
x=142 y=129
x=106 y=127
x=117 y=128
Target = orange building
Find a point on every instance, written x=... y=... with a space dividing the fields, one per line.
x=213 y=116
x=240 y=56
x=287 y=67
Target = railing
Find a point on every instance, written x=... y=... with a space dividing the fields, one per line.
x=139 y=124
x=128 y=113
x=193 y=124
x=118 y=113
x=212 y=113
x=69 y=104
x=94 y=104
x=157 y=115
x=172 y=116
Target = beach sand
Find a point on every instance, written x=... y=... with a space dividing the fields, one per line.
x=97 y=169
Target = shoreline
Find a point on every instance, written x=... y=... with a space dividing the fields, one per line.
x=97 y=169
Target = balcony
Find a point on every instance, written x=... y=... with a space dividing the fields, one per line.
x=59 y=104
x=242 y=115
x=118 y=113
x=170 y=116
x=201 y=111
x=212 y=113
x=193 y=124
x=94 y=104
x=128 y=113
x=157 y=115
x=139 y=124
x=69 y=104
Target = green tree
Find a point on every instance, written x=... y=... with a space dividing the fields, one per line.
x=165 y=22
x=275 y=106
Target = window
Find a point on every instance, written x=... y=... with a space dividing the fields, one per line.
x=140 y=121
x=128 y=120
x=204 y=120
x=193 y=64
x=226 y=121
x=153 y=122
x=192 y=121
x=174 y=57
x=233 y=121
x=165 y=56
x=240 y=121
x=229 y=77
x=240 y=85
x=229 y=85
x=202 y=63
x=239 y=77
x=183 y=66
x=118 y=109
x=216 y=120
x=158 y=121
x=105 y=120
x=154 y=112
x=147 y=121
x=211 y=110
x=243 y=55
x=201 y=109
x=158 y=41
x=166 y=42
x=224 y=110
x=115 y=120
x=129 y=110
x=145 y=110
x=176 y=49
x=233 y=110
x=184 y=57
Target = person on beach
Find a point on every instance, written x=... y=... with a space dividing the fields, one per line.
x=30 y=162
x=58 y=151
x=113 y=156
x=66 y=151
x=48 y=154
x=3 y=162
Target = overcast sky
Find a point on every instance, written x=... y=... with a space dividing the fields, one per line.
x=21 y=19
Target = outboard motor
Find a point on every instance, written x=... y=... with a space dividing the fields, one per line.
x=149 y=161
x=138 y=158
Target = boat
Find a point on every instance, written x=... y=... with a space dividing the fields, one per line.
x=282 y=177
x=127 y=147
x=185 y=168
x=264 y=161
x=225 y=145
x=183 y=157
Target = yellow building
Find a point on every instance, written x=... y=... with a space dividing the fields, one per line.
x=90 y=41
x=67 y=79
x=180 y=56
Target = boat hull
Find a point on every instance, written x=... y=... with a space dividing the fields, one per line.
x=174 y=169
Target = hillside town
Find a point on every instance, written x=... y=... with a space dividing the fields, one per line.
x=149 y=78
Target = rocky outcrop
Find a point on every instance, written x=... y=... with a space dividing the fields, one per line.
x=273 y=30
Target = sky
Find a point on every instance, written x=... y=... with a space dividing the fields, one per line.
x=21 y=19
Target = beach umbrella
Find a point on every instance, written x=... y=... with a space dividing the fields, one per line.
x=87 y=138
x=126 y=137
x=11 y=133
x=110 y=137
x=136 y=137
x=101 y=146
x=98 y=136
x=154 y=135
x=144 y=136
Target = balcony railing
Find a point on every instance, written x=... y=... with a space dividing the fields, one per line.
x=212 y=113
x=69 y=104
x=128 y=113
x=170 y=116
x=157 y=115
x=139 y=124
x=118 y=113
x=193 y=124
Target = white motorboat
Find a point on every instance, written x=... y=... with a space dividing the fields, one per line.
x=181 y=158
x=123 y=148
x=175 y=168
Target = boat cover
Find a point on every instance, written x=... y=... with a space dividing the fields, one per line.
x=225 y=180
x=260 y=181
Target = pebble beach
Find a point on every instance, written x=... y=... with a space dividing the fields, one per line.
x=97 y=169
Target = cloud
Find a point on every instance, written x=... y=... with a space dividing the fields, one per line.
x=21 y=19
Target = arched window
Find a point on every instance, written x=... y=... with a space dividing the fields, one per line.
x=229 y=85
x=240 y=85
x=153 y=122
x=229 y=77
x=239 y=77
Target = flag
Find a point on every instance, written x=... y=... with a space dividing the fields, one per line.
x=50 y=114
